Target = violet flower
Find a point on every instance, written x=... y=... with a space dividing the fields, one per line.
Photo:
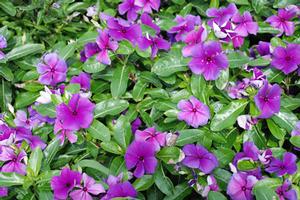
x=285 y=166
x=128 y=6
x=193 y=38
x=105 y=43
x=6 y=135
x=147 y=20
x=193 y=112
x=52 y=69
x=250 y=152
x=23 y=134
x=77 y=114
x=295 y=132
x=90 y=49
x=63 y=133
x=266 y=156
x=285 y=191
x=184 y=25
x=208 y=60
x=12 y=161
x=3 y=191
x=246 y=121
x=240 y=186
x=113 y=180
x=267 y=100
x=157 y=139
x=120 y=29
x=3 y=44
x=238 y=90
x=148 y=5
x=286 y=59
x=196 y=156
x=263 y=48
x=222 y=15
x=136 y=124
x=22 y=120
x=282 y=21
x=244 y=24
x=83 y=79
x=90 y=187
x=155 y=43
x=64 y=183
x=141 y=156
x=120 y=190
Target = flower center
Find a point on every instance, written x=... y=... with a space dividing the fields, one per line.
x=74 y=112
x=27 y=121
x=208 y=59
x=141 y=159
x=280 y=193
x=84 y=189
x=194 y=110
x=123 y=31
x=288 y=58
x=266 y=99
x=282 y=167
x=14 y=160
x=282 y=19
x=52 y=70
x=244 y=188
x=68 y=184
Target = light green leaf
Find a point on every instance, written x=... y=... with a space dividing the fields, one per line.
x=35 y=161
x=110 y=107
x=119 y=81
x=94 y=165
x=99 y=131
x=24 y=50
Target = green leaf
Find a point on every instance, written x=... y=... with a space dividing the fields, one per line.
x=199 y=88
x=186 y=9
x=239 y=2
x=6 y=73
x=246 y=165
x=227 y=116
x=5 y=94
x=10 y=179
x=25 y=99
x=163 y=183
x=93 y=66
x=275 y=130
x=170 y=155
x=180 y=192
x=125 y=48
x=257 y=137
x=122 y=132
x=87 y=37
x=259 y=62
x=110 y=107
x=237 y=59
x=139 y=90
x=264 y=193
x=189 y=136
x=99 y=131
x=119 y=81
x=258 y=5
x=24 y=50
x=118 y=166
x=94 y=165
x=264 y=27
x=222 y=81
x=285 y=119
x=295 y=140
x=51 y=150
x=272 y=183
x=68 y=51
x=46 y=109
x=222 y=176
x=143 y=183
x=112 y=147
x=8 y=7
x=224 y=155
x=35 y=161
x=212 y=195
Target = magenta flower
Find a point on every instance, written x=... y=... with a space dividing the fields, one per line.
x=208 y=60
x=3 y=44
x=282 y=21
x=23 y=134
x=3 y=191
x=244 y=24
x=6 y=135
x=240 y=186
x=222 y=15
x=285 y=191
x=136 y=124
x=184 y=25
x=22 y=120
x=286 y=59
x=155 y=43
x=105 y=43
x=120 y=29
x=128 y=6
x=77 y=114
x=83 y=79
x=285 y=166
x=147 y=20
x=196 y=156
x=193 y=38
x=52 y=69
x=263 y=48
x=64 y=133
x=64 y=183
x=250 y=152
x=90 y=49
x=12 y=161
x=266 y=156
x=267 y=100
x=141 y=156
x=157 y=139
x=90 y=187
x=120 y=190
x=148 y=5
x=193 y=112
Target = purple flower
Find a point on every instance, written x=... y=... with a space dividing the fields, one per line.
x=77 y=114
x=63 y=133
x=22 y=120
x=3 y=191
x=33 y=141
x=3 y=44
x=250 y=152
x=83 y=79
x=282 y=21
x=208 y=60
x=52 y=69
x=155 y=43
x=128 y=6
x=148 y=5
x=91 y=49
x=89 y=187
x=246 y=121
x=141 y=156
x=91 y=11
x=240 y=186
x=238 y=90
x=120 y=190
x=64 y=183
x=136 y=124
x=196 y=156
x=193 y=38
x=147 y=20
x=222 y=15
x=6 y=134
x=286 y=59
x=184 y=25
x=263 y=48
x=13 y=161
x=285 y=191
x=295 y=132
x=157 y=139
x=105 y=43
x=120 y=29
x=267 y=100
x=193 y=112
x=285 y=166
x=244 y=24
x=113 y=180
x=266 y=156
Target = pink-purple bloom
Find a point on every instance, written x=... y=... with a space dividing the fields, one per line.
x=244 y=24
x=83 y=79
x=155 y=43
x=267 y=100
x=250 y=152
x=285 y=166
x=208 y=60
x=3 y=44
x=141 y=156
x=120 y=190
x=222 y=15
x=129 y=7
x=285 y=191
x=64 y=183
x=105 y=44
x=3 y=191
x=22 y=120
x=147 y=20
x=286 y=59
x=148 y=5
x=263 y=48
x=193 y=38
x=23 y=134
x=52 y=69
x=77 y=114
x=157 y=139
x=63 y=133
x=89 y=50
x=198 y=157
x=193 y=112
x=13 y=162
x=240 y=186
